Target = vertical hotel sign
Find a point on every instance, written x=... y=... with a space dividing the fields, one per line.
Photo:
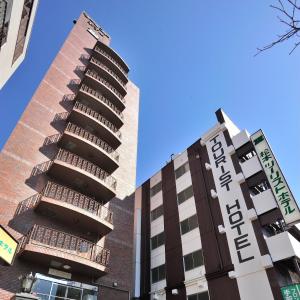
x=282 y=193
x=8 y=246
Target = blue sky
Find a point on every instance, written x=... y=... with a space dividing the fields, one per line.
x=189 y=58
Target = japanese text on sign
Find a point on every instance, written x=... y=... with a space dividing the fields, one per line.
x=282 y=193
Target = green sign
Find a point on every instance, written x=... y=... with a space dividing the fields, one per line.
x=278 y=184
x=291 y=292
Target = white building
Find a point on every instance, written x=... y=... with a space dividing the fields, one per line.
x=16 y=20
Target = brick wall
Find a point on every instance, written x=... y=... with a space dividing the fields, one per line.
x=25 y=152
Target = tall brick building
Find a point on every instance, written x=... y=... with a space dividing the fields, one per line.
x=67 y=173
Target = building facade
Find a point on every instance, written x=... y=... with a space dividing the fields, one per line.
x=67 y=173
x=16 y=21
x=217 y=222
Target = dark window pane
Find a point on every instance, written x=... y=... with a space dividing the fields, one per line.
x=181 y=170
x=58 y=290
x=154 y=242
x=189 y=193
x=157 y=240
x=180 y=197
x=155 y=189
x=185 y=194
x=189 y=224
x=156 y=213
x=42 y=286
x=198 y=259
x=193 y=222
x=160 y=239
x=158 y=273
x=154 y=275
x=184 y=225
x=203 y=296
x=188 y=262
x=161 y=272
x=73 y=293
x=200 y=296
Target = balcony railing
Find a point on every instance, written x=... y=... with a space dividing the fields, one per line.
x=72 y=128
x=98 y=117
x=97 y=49
x=58 y=240
x=113 y=74
x=85 y=88
x=107 y=84
x=85 y=165
x=58 y=192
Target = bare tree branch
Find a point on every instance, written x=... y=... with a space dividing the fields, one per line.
x=288 y=17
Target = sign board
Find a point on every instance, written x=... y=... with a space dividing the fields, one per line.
x=291 y=292
x=8 y=246
x=279 y=186
x=242 y=242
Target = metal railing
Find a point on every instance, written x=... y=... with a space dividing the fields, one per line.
x=97 y=77
x=113 y=74
x=86 y=89
x=72 y=128
x=58 y=192
x=85 y=165
x=98 y=117
x=58 y=240
x=97 y=49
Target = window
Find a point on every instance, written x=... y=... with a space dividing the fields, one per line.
x=259 y=187
x=155 y=189
x=158 y=274
x=157 y=240
x=5 y=12
x=182 y=169
x=193 y=260
x=185 y=194
x=157 y=212
x=23 y=27
x=200 y=296
x=247 y=155
x=47 y=288
x=188 y=224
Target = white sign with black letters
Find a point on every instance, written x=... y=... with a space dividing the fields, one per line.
x=243 y=246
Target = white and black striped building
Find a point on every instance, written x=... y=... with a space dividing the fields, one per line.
x=217 y=222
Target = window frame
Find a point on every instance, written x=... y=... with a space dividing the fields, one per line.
x=189 y=224
x=154 y=215
x=185 y=167
x=161 y=275
x=193 y=259
x=161 y=234
x=185 y=195
x=154 y=190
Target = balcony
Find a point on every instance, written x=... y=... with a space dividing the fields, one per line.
x=102 y=52
x=95 y=81
x=82 y=175
x=97 y=102
x=283 y=246
x=264 y=202
x=86 y=117
x=46 y=246
x=89 y=146
x=109 y=75
x=72 y=207
x=251 y=166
